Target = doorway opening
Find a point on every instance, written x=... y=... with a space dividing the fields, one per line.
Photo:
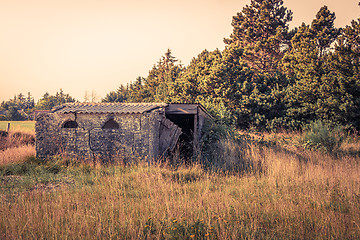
x=186 y=139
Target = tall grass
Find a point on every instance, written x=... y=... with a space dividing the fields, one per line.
x=16 y=154
x=17 y=146
x=280 y=195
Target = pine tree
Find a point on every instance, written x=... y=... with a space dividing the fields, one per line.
x=48 y=101
x=136 y=90
x=323 y=30
x=120 y=95
x=343 y=77
x=29 y=102
x=224 y=83
x=301 y=65
x=309 y=97
x=262 y=30
x=193 y=81
x=158 y=86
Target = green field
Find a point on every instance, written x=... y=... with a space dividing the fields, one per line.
x=18 y=125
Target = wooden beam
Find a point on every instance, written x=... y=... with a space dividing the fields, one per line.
x=181 y=109
x=195 y=132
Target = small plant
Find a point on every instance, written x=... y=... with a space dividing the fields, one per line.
x=323 y=136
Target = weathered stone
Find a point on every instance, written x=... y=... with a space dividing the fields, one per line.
x=102 y=132
x=89 y=140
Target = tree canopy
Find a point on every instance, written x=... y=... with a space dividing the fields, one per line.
x=267 y=77
x=261 y=29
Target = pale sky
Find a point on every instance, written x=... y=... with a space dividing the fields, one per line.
x=96 y=45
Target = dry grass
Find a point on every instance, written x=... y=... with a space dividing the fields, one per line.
x=16 y=154
x=284 y=195
x=17 y=146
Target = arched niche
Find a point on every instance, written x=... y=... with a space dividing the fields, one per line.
x=110 y=124
x=70 y=124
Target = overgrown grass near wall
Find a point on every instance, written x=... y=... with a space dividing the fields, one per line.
x=286 y=194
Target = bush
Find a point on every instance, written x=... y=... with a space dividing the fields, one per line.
x=223 y=149
x=323 y=136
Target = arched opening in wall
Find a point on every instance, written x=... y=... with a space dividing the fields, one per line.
x=111 y=124
x=70 y=124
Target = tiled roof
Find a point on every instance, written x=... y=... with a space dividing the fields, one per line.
x=107 y=107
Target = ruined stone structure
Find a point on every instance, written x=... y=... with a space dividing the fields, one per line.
x=118 y=131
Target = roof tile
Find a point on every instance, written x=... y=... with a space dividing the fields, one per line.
x=107 y=107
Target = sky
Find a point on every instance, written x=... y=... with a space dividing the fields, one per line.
x=96 y=45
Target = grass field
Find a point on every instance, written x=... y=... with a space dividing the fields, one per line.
x=286 y=194
x=27 y=126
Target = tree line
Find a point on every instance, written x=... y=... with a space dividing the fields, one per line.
x=21 y=107
x=268 y=76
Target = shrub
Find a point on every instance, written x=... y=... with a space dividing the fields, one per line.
x=323 y=136
x=223 y=149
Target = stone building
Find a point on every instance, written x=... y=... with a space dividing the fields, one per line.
x=113 y=131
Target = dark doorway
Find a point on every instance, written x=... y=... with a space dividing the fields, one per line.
x=186 y=123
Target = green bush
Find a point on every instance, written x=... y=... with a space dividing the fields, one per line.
x=323 y=136
x=223 y=149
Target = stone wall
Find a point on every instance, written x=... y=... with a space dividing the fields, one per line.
x=136 y=137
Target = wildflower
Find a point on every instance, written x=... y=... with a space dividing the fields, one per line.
x=225 y=221
x=175 y=220
x=192 y=236
x=207 y=234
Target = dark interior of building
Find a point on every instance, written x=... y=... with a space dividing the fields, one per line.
x=186 y=123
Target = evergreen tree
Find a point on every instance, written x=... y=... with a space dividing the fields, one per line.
x=195 y=79
x=47 y=102
x=18 y=107
x=13 y=114
x=323 y=30
x=136 y=90
x=343 y=77
x=224 y=83
x=110 y=97
x=302 y=65
x=262 y=30
x=29 y=103
x=158 y=86
x=267 y=77
x=120 y=95
x=306 y=65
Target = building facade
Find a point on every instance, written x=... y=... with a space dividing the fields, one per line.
x=111 y=132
